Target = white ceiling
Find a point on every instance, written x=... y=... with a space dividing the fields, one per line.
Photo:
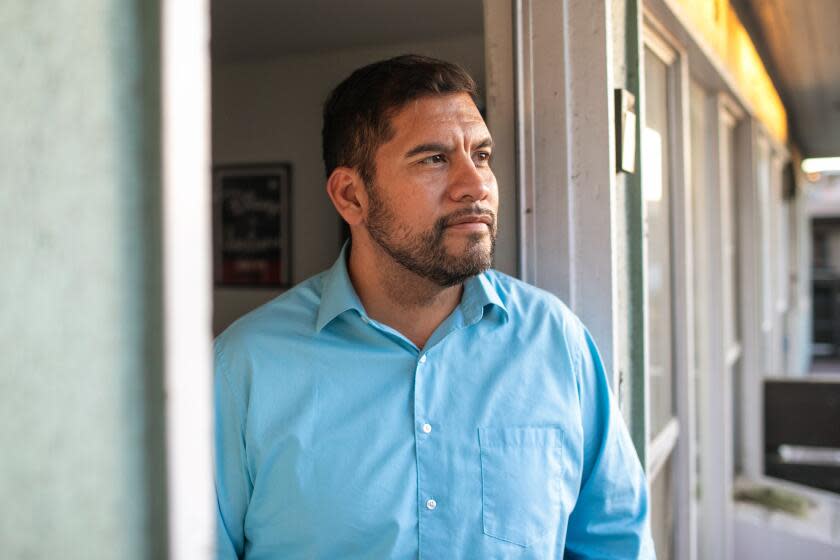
x=254 y=29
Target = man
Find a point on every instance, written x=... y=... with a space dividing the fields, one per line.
x=410 y=402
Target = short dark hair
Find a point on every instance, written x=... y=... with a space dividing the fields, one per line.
x=358 y=111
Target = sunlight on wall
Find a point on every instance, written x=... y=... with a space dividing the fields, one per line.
x=719 y=26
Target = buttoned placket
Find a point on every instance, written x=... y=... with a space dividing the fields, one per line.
x=427 y=498
x=433 y=513
x=431 y=497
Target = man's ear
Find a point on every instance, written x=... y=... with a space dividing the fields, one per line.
x=347 y=192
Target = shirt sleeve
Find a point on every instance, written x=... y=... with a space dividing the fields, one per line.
x=233 y=484
x=610 y=518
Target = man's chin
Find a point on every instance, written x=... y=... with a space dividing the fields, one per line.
x=467 y=240
x=479 y=252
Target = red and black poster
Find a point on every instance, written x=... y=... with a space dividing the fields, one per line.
x=251 y=225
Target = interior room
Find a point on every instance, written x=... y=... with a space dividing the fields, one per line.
x=273 y=65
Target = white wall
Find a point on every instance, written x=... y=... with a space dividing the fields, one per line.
x=270 y=111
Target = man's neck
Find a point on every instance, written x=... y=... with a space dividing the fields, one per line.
x=399 y=298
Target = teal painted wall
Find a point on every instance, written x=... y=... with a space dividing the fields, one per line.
x=630 y=351
x=81 y=403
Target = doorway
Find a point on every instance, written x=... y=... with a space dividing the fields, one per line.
x=273 y=65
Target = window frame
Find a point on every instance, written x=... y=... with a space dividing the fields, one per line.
x=676 y=439
x=717 y=358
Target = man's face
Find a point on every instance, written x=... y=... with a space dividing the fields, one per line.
x=433 y=202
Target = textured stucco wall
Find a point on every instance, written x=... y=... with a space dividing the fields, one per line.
x=80 y=398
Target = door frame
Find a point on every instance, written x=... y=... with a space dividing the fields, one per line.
x=187 y=278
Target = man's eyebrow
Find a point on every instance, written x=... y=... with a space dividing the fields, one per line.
x=425 y=148
x=486 y=143
x=436 y=147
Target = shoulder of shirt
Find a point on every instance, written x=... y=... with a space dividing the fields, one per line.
x=523 y=298
x=528 y=305
x=534 y=307
x=290 y=315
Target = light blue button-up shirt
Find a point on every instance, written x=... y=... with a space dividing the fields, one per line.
x=337 y=438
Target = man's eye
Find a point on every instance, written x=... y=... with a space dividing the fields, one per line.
x=437 y=158
x=482 y=157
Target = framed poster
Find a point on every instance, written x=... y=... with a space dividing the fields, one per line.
x=252 y=225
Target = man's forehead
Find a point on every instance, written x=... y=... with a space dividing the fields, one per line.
x=434 y=110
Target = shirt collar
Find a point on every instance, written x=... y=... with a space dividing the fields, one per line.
x=479 y=292
x=338 y=294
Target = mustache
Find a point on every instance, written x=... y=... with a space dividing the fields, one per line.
x=470 y=212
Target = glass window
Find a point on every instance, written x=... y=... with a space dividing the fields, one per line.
x=729 y=216
x=731 y=300
x=657 y=193
x=763 y=186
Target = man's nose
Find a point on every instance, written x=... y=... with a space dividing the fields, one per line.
x=468 y=181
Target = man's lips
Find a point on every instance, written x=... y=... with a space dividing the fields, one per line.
x=469 y=226
x=471 y=223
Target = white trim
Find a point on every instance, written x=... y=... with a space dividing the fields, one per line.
x=827 y=378
x=715 y=398
x=683 y=292
x=754 y=327
x=731 y=111
x=525 y=142
x=725 y=252
x=187 y=274
x=716 y=443
x=665 y=46
x=654 y=38
x=733 y=355
x=662 y=446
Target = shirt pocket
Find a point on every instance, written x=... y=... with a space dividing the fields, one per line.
x=521 y=472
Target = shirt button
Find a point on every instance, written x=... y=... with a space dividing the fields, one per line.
x=427 y=428
x=423 y=359
x=431 y=504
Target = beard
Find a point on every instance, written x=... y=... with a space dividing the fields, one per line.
x=425 y=253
